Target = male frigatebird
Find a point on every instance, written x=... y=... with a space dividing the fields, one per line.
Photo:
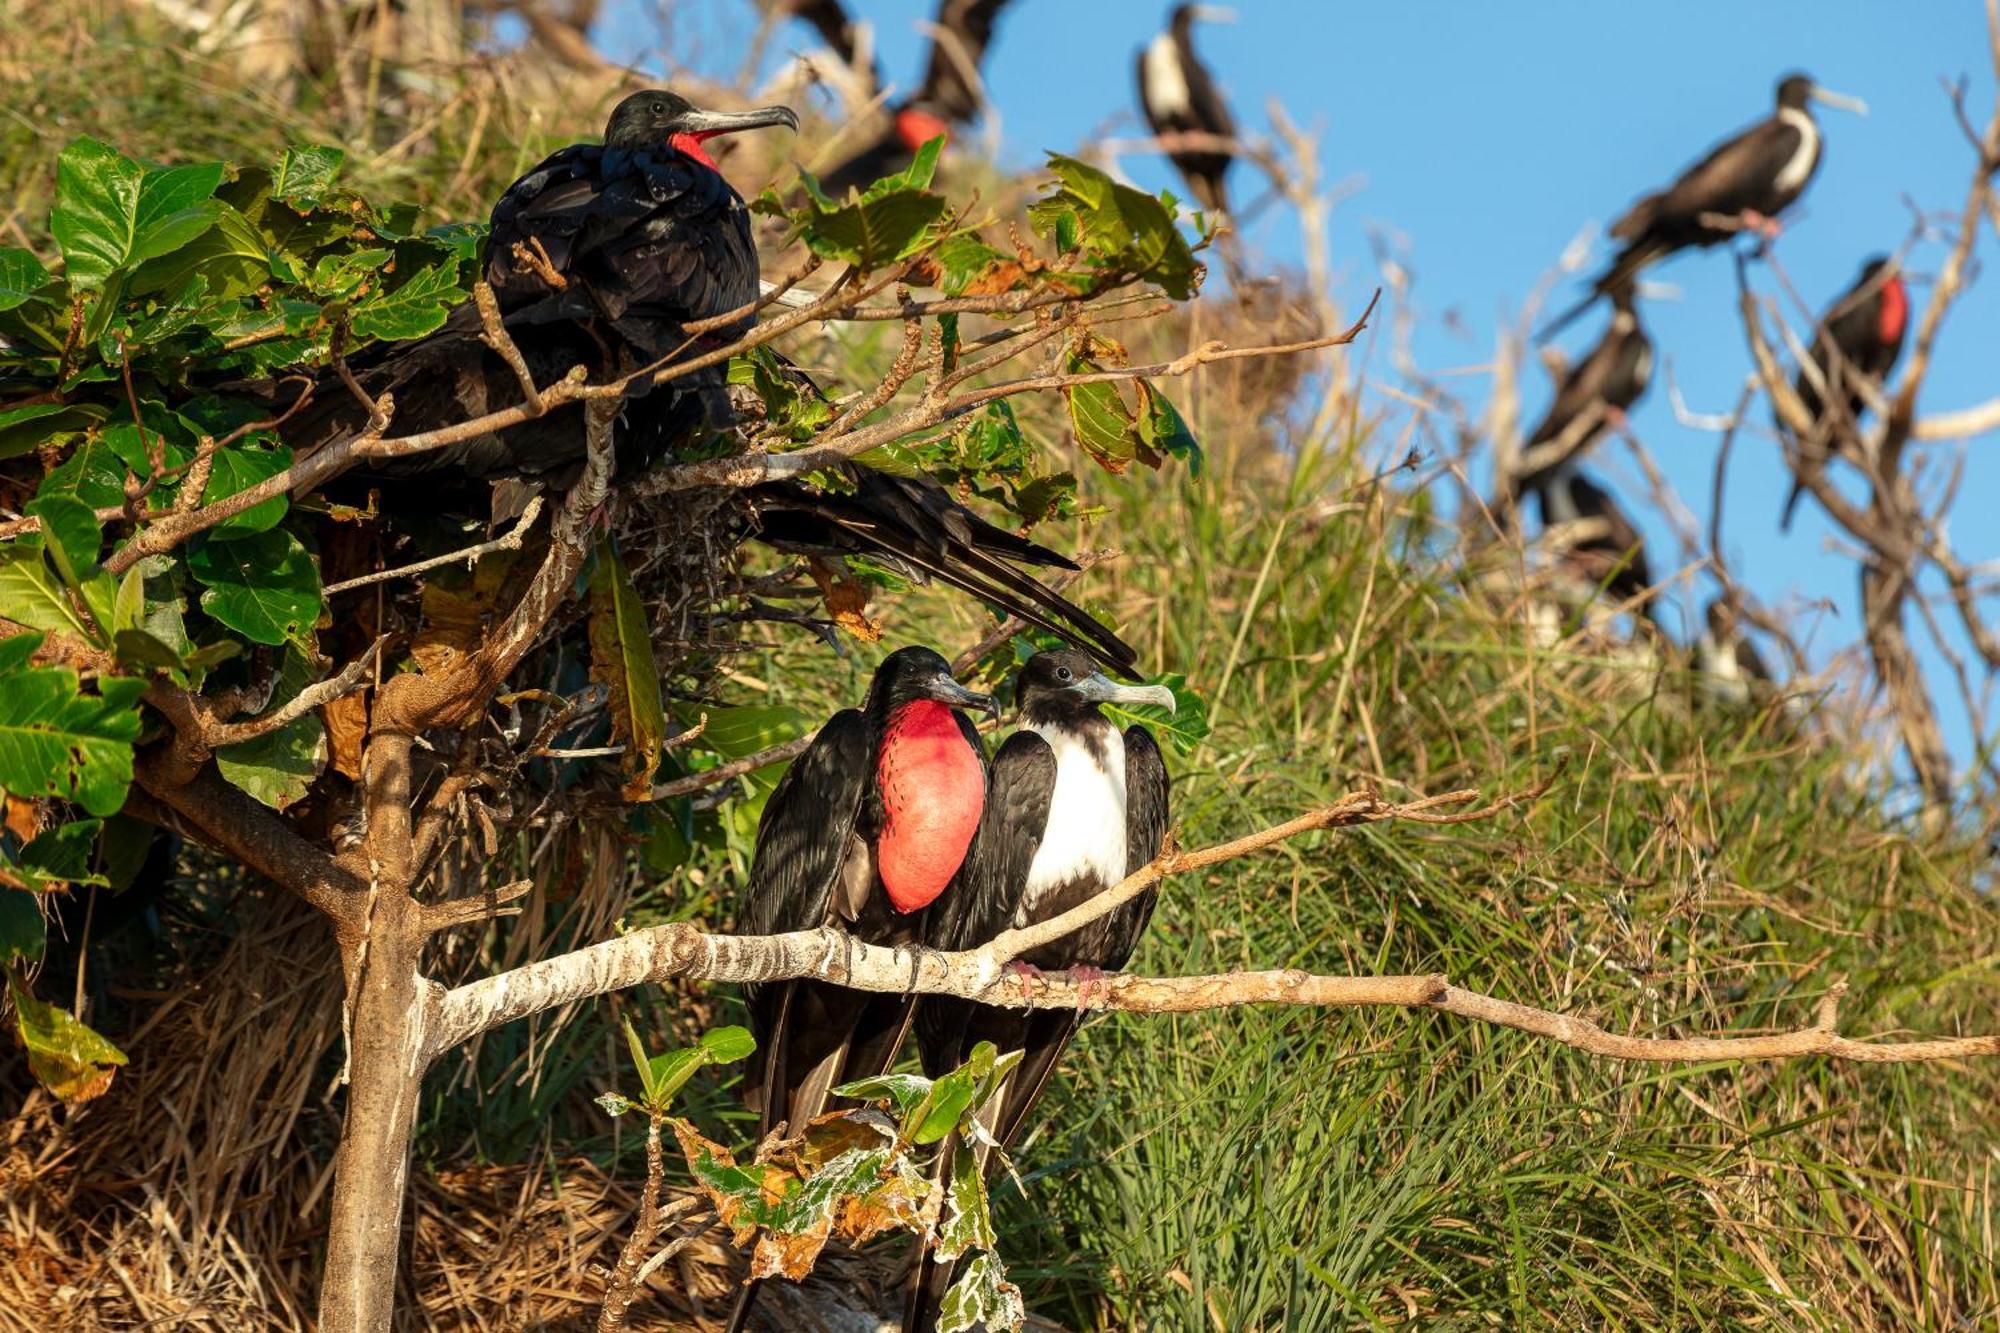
x=1179 y=96
x=1074 y=806
x=1742 y=185
x=1608 y=550
x=864 y=832
x=1594 y=394
x=1858 y=341
x=1728 y=661
x=961 y=30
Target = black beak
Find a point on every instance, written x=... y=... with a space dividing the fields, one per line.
x=948 y=691
x=708 y=124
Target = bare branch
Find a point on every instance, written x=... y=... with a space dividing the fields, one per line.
x=346 y=681
x=509 y=541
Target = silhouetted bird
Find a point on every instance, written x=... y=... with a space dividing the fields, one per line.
x=1859 y=339
x=1179 y=96
x=1594 y=395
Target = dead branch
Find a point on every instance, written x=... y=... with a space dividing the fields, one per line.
x=346 y=681
x=508 y=541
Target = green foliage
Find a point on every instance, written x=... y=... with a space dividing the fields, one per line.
x=278 y=767
x=1116 y=230
x=1115 y=428
x=58 y=740
x=662 y=1076
x=621 y=659
x=68 y=1058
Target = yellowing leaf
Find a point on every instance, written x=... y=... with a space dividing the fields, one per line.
x=621 y=659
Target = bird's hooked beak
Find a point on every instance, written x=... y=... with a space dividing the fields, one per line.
x=1099 y=688
x=1212 y=14
x=1840 y=101
x=945 y=690
x=709 y=124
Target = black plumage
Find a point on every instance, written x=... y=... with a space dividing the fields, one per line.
x=949 y=95
x=1594 y=394
x=1743 y=184
x=1180 y=96
x=1608 y=550
x=903 y=775
x=1858 y=341
x=1074 y=805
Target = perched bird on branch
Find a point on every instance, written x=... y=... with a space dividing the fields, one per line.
x=1729 y=663
x=1594 y=395
x=1859 y=339
x=949 y=95
x=1179 y=96
x=865 y=832
x=1074 y=806
x=1742 y=185
x=1605 y=548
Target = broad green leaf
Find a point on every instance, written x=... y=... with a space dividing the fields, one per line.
x=916 y=176
x=968 y=266
x=465 y=240
x=70 y=535
x=982 y=1298
x=1121 y=230
x=727 y=1045
x=950 y=1098
x=873 y=232
x=25 y=429
x=238 y=468
x=62 y=855
x=791 y=404
x=621 y=659
x=336 y=276
x=279 y=767
x=21 y=276
x=23 y=932
x=231 y=257
x=122 y=850
x=68 y=1058
x=1164 y=430
x=111 y=214
x=748 y=728
x=265 y=586
x=968 y=1220
x=32 y=595
x=414 y=308
x=905 y=1092
x=56 y=740
x=142 y=652
x=304 y=174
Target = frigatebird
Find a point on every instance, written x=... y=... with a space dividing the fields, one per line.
x=1858 y=342
x=949 y=95
x=1742 y=185
x=865 y=831
x=1728 y=661
x=1608 y=550
x=1074 y=806
x=1594 y=394
x=1179 y=96
x=641 y=231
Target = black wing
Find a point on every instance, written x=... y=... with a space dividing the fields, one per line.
x=968 y=28
x=1739 y=174
x=647 y=238
x=802 y=843
x=1146 y=792
x=912 y=524
x=829 y=18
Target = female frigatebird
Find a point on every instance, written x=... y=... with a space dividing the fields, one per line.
x=1179 y=96
x=1742 y=185
x=1594 y=394
x=949 y=95
x=1729 y=662
x=1608 y=550
x=1858 y=342
x=1075 y=805
x=864 y=832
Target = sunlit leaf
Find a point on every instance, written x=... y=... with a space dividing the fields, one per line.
x=621 y=659
x=265 y=586
x=57 y=740
x=69 y=1059
x=21 y=276
x=982 y=1298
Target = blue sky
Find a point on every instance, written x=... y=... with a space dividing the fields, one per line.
x=1484 y=136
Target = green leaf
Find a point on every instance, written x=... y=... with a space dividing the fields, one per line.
x=33 y=595
x=60 y=856
x=950 y=1098
x=336 y=276
x=93 y=473
x=23 y=429
x=662 y=1076
x=305 y=174
x=465 y=240
x=916 y=176
x=265 y=586
x=231 y=257
x=416 y=307
x=279 y=767
x=791 y=403
x=21 y=276
x=1185 y=728
x=905 y=1092
x=748 y=728
x=621 y=659
x=70 y=535
x=71 y=1061
x=238 y=468
x=1122 y=231
x=968 y=1220
x=613 y=1104
x=111 y=214
x=872 y=232
x=23 y=932
x=982 y=1297
x=968 y=264
x=55 y=740
x=727 y=1045
x=1164 y=430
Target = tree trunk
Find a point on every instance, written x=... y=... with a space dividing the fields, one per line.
x=391 y=1010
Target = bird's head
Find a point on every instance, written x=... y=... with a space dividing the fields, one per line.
x=1721 y=619
x=1067 y=684
x=657 y=117
x=914 y=673
x=1186 y=16
x=1795 y=90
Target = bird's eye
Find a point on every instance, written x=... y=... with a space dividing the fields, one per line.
x=659 y=108
x=1062 y=673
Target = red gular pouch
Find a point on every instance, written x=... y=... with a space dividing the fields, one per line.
x=691 y=144
x=1895 y=312
x=933 y=787
x=915 y=128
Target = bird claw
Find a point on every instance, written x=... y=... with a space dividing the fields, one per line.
x=1766 y=227
x=1089 y=980
x=1021 y=969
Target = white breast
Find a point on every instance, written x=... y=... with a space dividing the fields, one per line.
x=1166 y=87
x=1085 y=835
x=1642 y=369
x=1793 y=176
